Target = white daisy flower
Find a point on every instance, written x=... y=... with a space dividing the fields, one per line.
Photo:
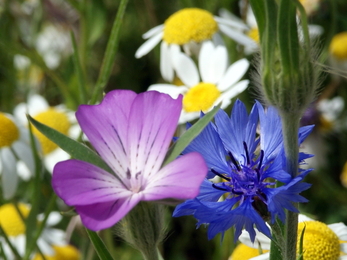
x=57 y=117
x=216 y=83
x=53 y=43
x=16 y=156
x=321 y=241
x=14 y=227
x=188 y=28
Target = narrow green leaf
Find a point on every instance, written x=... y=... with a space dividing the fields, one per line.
x=72 y=147
x=110 y=53
x=189 y=136
x=99 y=246
x=79 y=71
x=301 y=245
x=13 y=249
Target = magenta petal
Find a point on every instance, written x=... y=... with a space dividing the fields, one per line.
x=180 y=179
x=81 y=183
x=106 y=127
x=152 y=123
x=104 y=215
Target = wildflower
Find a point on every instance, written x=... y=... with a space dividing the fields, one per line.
x=57 y=117
x=16 y=157
x=53 y=43
x=320 y=241
x=249 y=168
x=132 y=134
x=218 y=84
x=188 y=28
x=14 y=227
x=338 y=52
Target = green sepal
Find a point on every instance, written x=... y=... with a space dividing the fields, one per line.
x=72 y=147
x=301 y=245
x=189 y=136
x=99 y=245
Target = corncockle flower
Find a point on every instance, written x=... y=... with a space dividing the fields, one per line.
x=188 y=28
x=249 y=167
x=131 y=132
x=219 y=82
x=320 y=241
x=14 y=227
x=58 y=117
x=16 y=157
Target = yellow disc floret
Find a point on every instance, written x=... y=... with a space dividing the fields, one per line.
x=10 y=221
x=54 y=119
x=254 y=34
x=9 y=132
x=320 y=242
x=189 y=24
x=66 y=252
x=243 y=252
x=338 y=46
x=200 y=97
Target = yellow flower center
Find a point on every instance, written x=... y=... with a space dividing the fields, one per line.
x=8 y=131
x=254 y=34
x=243 y=252
x=338 y=46
x=54 y=119
x=200 y=97
x=67 y=252
x=189 y=24
x=320 y=242
x=10 y=221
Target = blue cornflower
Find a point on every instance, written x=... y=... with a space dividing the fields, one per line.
x=249 y=166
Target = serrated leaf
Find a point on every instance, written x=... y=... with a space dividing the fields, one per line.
x=72 y=147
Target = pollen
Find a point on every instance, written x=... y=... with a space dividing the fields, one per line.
x=9 y=132
x=66 y=252
x=338 y=47
x=189 y=24
x=200 y=97
x=320 y=242
x=54 y=119
x=10 y=221
x=254 y=34
x=243 y=252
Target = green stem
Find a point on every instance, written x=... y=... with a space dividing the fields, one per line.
x=110 y=53
x=290 y=124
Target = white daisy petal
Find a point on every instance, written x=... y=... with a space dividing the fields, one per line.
x=20 y=112
x=236 y=23
x=343 y=247
x=54 y=157
x=259 y=238
x=148 y=45
x=9 y=174
x=166 y=68
x=187 y=71
x=226 y=97
x=217 y=65
x=340 y=230
x=37 y=104
x=54 y=218
x=24 y=153
x=234 y=73
x=187 y=117
x=204 y=59
x=217 y=39
x=238 y=37
x=175 y=51
x=169 y=89
x=265 y=256
x=155 y=30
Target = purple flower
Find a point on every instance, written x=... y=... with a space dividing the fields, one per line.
x=132 y=133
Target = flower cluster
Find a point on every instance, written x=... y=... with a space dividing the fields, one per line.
x=240 y=189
